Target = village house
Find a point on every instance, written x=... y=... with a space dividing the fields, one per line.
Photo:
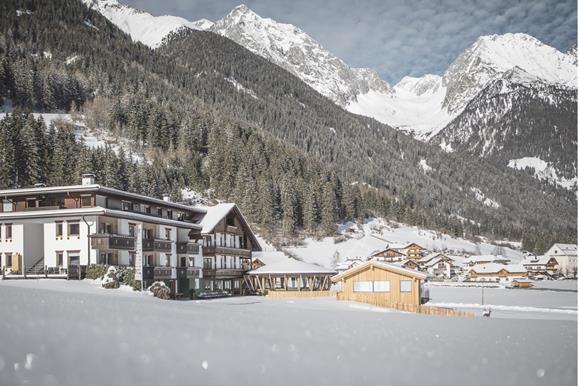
x=540 y=265
x=349 y=263
x=228 y=243
x=440 y=266
x=389 y=255
x=497 y=273
x=61 y=230
x=566 y=255
x=380 y=283
x=408 y=264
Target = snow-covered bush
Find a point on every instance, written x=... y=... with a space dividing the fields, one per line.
x=111 y=279
x=160 y=290
x=127 y=277
x=95 y=272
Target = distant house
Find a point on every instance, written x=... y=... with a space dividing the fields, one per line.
x=540 y=265
x=289 y=274
x=413 y=251
x=441 y=266
x=266 y=257
x=408 y=264
x=566 y=255
x=389 y=255
x=349 y=263
x=498 y=273
x=471 y=261
x=380 y=282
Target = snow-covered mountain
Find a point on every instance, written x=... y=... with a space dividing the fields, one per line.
x=292 y=49
x=142 y=26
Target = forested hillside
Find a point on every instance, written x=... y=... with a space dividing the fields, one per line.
x=211 y=115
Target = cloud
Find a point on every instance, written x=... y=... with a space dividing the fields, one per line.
x=397 y=38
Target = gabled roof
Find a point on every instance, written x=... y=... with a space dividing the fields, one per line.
x=496 y=268
x=483 y=258
x=379 y=265
x=269 y=257
x=218 y=212
x=537 y=260
x=290 y=266
x=386 y=250
x=429 y=257
x=568 y=249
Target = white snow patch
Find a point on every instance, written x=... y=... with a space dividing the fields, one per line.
x=241 y=88
x=543 y=171
x=72 y=59
x=479 y=195
x=425 y=167
x=20 y=12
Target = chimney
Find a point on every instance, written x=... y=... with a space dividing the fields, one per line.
x=88 y=179
x=166 y=197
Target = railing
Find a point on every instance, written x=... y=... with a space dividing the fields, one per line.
x=212 y=250
x=148 y=273
x=112 y=241
x=233 y=272
x=188 y=247
x=163 y=273
x=188 y=272
x=157 y=245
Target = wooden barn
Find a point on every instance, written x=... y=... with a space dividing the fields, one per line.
x=380 y=283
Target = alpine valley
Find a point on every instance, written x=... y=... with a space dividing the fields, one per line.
x=256 y=111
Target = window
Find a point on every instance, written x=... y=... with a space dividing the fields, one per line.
x=230 y=220
x=59 y=229
x=167 y=259
x=132 y=230
x=150 y=261
x=31 y=203
x=127 y=206
x=85 y=201
x=148 y=209
x=8 y=231
x=73 y=229
x=382 y=286
x=59 y=259
x=160 y=212
x=167 y=233
x=170 y=214
x=105 y=228
x=183 y=261
x=405 y=286
x=207 y=263
x=362 y=286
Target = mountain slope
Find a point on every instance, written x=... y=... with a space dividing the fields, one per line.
x=519 y=116
x=142 y=26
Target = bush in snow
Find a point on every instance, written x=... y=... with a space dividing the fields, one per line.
x=127 y=276
x=111 y=279
x=95 y=272
x=160 y=290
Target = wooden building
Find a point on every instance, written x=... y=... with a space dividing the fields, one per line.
x=290 y=275
x=390 y=255
x=498 y=273
x=380 y=283
x=540 y=265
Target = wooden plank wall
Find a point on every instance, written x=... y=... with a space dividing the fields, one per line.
x=369 y=298
x=299 y=294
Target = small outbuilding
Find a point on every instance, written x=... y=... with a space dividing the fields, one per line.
x=380 y=283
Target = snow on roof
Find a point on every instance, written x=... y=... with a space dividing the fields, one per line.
x=380 y=265
x=482 y=258
x=214 y=215
x=290 y=266
x=397 y=250
x=569 y=249
x=269 y=257
x=538 y=260
x=428 y=257
x=495 y=268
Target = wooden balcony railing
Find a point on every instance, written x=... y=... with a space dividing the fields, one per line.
x=188 y=247
x=112 y=241
x=213 y=250
x=156 y=245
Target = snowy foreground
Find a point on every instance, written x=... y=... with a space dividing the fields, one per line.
x=74 y=333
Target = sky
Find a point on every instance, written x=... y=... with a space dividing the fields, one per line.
x=397 y=37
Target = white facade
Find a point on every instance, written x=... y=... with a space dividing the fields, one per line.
x=566 y=256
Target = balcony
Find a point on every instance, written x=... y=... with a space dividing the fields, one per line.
x=156 y=245
x=163 y=273
x=112 y=241
x=188 y=247
x=223 y=272
x=213 y=250
x=188 y=272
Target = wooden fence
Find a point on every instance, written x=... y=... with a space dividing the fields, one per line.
x=419 y=309
x=298 y=294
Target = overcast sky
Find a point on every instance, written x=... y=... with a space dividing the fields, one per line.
x=397 y=37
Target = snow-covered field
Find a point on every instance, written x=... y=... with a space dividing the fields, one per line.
x=377 y=234
x=74 y=333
